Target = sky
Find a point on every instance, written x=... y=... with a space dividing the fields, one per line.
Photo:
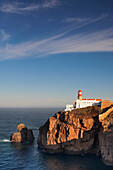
x=49 y=49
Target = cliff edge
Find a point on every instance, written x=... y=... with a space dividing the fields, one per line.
x=78 y=132
x=71 y=132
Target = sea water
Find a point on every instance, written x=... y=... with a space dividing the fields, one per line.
x=29 y=156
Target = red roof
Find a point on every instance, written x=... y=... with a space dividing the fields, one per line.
x=80 y=91
x=93 y=99
x=90 y=99
x=98 y=99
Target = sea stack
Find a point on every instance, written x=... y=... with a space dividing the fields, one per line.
x=23 y=135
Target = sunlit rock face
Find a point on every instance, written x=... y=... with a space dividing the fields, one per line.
x=20 y=127
x=71 y=132
x=79 y=132
x=23 y=134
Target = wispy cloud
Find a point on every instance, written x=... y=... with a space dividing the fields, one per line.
x=20 y=8
x=75 y=19
x=93 y=42
x=80 y=20
x=3 y=35
x=50 y=3
x=65 y=42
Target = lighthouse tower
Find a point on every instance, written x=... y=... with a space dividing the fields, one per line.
x=80 y=95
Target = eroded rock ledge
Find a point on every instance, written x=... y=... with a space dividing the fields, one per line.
x=23 y=135
x=78 y=132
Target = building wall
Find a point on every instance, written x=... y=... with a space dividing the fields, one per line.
x=90 y=102
x=105 y=103
x=85 y=103
x=69 y=107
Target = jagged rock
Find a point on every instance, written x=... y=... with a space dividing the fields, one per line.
x=16 y=137
x=71 y=132
x=23 y=134
x=79 y=132
x=106 y=139
x=20 y=127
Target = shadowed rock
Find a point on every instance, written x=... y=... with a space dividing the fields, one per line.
x=106 y=139
x=23 y=134
x=71 y=132
x=78 y=132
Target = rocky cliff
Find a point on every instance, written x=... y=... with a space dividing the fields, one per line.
x=78 y=132
x=71 y=132
x=23 y=135
x=106 y=137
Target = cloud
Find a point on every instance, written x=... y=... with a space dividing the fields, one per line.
x=93 y=42
x=50 y=3
x=80 y=20
x=74 y=19
x=20 y=8
x=3 y=35
x=66 y=42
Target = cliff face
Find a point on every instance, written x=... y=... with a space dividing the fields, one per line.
x=79 y=132
x=106 y=138
x=71 y=132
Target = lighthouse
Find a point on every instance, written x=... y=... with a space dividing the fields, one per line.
x=81 y=103
x=80 y=95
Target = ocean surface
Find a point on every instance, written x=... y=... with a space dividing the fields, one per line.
x=29 y=156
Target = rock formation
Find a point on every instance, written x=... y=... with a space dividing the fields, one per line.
x=106 y=137
x=78 y=132
x=71 y=132
x=23 y=134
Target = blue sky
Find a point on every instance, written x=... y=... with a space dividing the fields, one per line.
x=49 y=49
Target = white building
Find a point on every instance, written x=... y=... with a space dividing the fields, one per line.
x=87 y=102
x=80 y=103
x=69 y=107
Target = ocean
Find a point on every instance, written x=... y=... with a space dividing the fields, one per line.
x=15 y=156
